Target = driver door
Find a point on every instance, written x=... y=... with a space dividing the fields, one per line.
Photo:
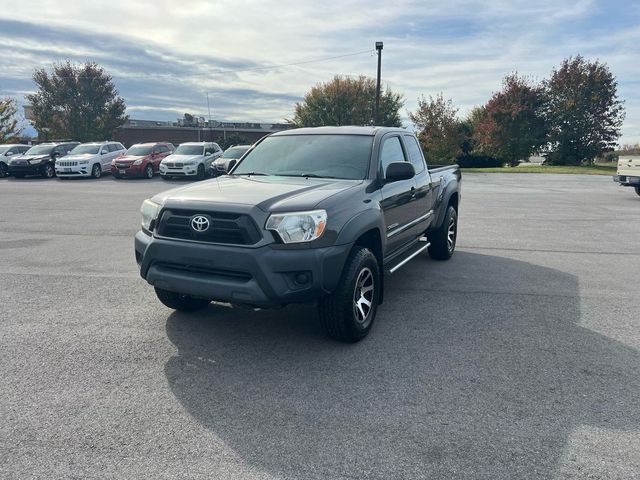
x=398 y=198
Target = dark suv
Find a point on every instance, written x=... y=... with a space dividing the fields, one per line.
x=40 y=159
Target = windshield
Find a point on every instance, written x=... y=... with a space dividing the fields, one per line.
x=40 y=150
x=139 y=150
x=4 y=149
x=82 y=149
x=189 y=150
x=234 y=152
x=332 y=156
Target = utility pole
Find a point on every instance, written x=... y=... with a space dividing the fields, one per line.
x=376 y=117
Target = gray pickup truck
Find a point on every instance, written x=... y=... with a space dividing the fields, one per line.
x=306 y=215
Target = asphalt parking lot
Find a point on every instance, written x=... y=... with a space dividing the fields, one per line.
x=519 y=358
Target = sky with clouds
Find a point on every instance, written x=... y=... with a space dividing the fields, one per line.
x=166 y=55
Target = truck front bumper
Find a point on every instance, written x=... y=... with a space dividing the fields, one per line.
x=262 y=277
x=627 y=180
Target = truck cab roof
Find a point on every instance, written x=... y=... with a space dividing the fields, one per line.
x=343 y=130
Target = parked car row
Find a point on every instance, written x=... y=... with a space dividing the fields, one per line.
x=93 y=159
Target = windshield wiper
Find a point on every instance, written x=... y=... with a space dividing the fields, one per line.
x=308 y=175
x=253 y=173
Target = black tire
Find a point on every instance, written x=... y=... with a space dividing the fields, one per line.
x=48 y=171
x=118 y=177
x=178 y=301
x=4 y=172
x=443 y=240
x=148 y=171
x=344 y=316
x=96 y=171
x=637 y=190
x=201 y=173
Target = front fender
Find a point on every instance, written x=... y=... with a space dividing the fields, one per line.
x=361 y=223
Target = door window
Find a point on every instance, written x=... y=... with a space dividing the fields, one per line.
x=391 y=152
x=415 y=153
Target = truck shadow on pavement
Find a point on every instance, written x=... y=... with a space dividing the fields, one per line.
x=477 y=367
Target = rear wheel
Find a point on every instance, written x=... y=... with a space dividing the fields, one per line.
x=178 y=301
x=48 y=171
x=443 y=240
x=148 y=171
x=96 y=171
x=637 y=190
x=348 y=313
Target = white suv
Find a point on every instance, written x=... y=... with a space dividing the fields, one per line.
x=89 y=159
x=190 y=159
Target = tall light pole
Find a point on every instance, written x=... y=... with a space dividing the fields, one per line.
x=376 y=118
x=209 y=108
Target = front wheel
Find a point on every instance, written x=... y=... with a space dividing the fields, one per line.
x=48 y=171
x=96 y=171
x=181 y=302
x=148 y=171
x=348 y=313
x=637 y=190
x=200 y=174
x=3 y=170
x=443 y=240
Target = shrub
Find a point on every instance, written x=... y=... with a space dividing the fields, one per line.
x=479 y=161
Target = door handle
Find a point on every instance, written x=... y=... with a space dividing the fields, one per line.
x=413 y=192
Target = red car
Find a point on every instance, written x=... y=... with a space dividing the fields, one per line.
x=141 y=160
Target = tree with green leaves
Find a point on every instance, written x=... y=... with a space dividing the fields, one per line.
x=511 y=126
x=76 y=101
x=439 y=130
x=347 y=101
x=9 y=129
x=583 y=111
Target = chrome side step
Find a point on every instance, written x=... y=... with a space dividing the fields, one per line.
x=421 y=247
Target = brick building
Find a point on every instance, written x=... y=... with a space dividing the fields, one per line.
x=140 y=131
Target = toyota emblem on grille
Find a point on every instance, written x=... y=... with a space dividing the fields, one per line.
x=200 y=223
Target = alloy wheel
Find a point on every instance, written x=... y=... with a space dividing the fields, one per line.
x=363 y=295
x=451 y=234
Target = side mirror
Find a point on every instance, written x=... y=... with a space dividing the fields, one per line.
x=9 y=153
x=230 y=165
x=397 y=171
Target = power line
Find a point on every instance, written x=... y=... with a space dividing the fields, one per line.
x=227 y=71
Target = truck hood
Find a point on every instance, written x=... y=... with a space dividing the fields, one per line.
x=269 y=193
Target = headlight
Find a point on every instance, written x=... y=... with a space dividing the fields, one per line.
x=138 y=162
x=35 y=161
x=298 y=227
x=190 y=162
x=83 y=162
x=149 y=211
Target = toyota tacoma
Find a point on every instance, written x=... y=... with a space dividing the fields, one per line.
x=311 y=214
